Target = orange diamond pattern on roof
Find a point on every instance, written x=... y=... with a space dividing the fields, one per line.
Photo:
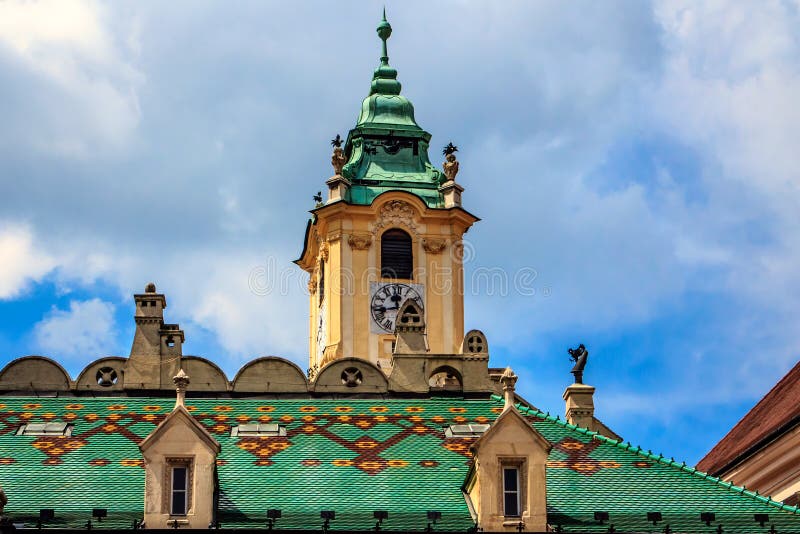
x=387 y=454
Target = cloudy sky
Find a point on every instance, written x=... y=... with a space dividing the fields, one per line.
x=635 y=165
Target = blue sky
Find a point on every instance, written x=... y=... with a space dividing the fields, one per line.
x=635 y=162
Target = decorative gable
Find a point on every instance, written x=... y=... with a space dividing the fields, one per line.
x=508 y=484
x=180 y=469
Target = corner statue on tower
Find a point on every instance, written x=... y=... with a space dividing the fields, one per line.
x=579 y=356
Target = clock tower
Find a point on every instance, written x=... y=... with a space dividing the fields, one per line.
x=390 y=233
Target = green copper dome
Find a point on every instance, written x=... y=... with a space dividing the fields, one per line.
x=387 y=150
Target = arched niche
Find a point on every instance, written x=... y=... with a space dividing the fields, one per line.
x=104 y=374
x=270 y=374
x=204 y=375
x=445 y=378
x=34 y=373
x=475 y=343
x=350 y=375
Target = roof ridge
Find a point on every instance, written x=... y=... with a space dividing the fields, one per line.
x=683 y=466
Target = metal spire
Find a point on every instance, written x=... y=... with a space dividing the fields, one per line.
x=384 y=81
x=384 y=32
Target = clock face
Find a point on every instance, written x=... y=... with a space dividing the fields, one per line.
x=386 y=301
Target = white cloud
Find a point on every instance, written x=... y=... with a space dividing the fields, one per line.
x=606 y=258
x=27 y=25
x=83 y=333
x=729 y=89
x=68 y=80
x=22 y=263
x=225 y=171
x=254 y=305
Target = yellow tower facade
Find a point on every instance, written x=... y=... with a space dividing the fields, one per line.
x=354 y=298
x=389 y=232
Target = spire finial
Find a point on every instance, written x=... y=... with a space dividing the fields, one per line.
x=509 y=380
x=385 y=79
x=384 y=32
x=181 y=381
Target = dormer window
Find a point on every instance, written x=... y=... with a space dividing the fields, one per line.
x=45 y=429
x=397 y=259
x=511 y=491
x=258 y=429
x=180 y=476
x=465 y=431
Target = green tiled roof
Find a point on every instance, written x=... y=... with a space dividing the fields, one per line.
x=587 y=472
x=352 y=456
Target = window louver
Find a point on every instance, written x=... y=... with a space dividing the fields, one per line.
x=397 y=260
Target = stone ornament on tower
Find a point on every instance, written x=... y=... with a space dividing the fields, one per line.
x=359 y=241
x=450 y=165
x=337 y=159
x=450 y=190
x=432 y=245
x=337 y=184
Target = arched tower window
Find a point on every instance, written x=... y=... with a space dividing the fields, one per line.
x=397 y=259
x=321 y=281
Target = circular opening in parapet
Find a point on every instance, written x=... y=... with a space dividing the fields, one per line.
x=106 y=377
x=475 y=343
x=352 y=377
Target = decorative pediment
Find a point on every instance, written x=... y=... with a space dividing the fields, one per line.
x=179 y=417
x=395 y=213
x=507 y=430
